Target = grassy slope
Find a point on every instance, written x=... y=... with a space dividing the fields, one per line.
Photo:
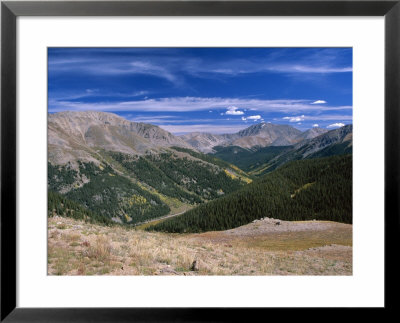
x=78 y=248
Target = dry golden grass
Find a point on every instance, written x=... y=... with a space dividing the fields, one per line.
x=86 y=249
x=100 y=251
x=284 y=241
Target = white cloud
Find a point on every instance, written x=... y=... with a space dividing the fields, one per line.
x=315 y=125
x=295 y=119
x=234 y=111
x=319 y=102
x=244 y=118
x=336 y=125
x=257 y=117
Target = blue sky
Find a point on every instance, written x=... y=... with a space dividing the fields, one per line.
x=217 y=90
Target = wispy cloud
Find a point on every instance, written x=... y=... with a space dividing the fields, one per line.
x=185 y=104
x=147 y=68
x=167 y=120
x=234 y=68
x=108 y=67
x=173 y=68
x=320 y=117
x=310 y=69
x=211 y=128
x=95 y=93
x=319 y=102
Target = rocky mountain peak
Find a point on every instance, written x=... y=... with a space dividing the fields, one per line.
x=78 y=134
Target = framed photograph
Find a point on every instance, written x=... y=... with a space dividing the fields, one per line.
x=194 y=157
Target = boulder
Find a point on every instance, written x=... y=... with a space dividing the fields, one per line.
x=195 y=265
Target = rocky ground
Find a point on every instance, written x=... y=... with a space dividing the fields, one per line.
x=264 y=247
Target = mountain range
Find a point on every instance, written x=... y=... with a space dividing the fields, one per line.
x=76 y=136
x=334 y=142
x=129 y=172
x=260 y=135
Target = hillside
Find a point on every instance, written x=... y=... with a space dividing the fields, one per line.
x=248 y=159
x=59 y=205
x=108 y=195
x=312 y=133
x=318 y=189
x=334 y=142
x=314 y=143
x=205 y=142
x=142 y=187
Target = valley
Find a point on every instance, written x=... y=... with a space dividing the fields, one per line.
x=129 y=173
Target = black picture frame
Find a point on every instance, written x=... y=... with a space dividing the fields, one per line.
x=10 y=10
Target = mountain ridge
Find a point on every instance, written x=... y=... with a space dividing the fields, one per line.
x=334 y=142
x=73 y=135
x=262 y=134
